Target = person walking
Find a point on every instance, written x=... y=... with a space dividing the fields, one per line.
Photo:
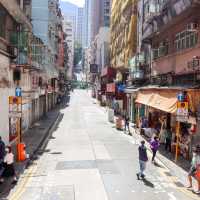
x=9 y=165
x=168 y=139
x=126 y=122
x=143 y=158
x=154 y=145
x=195 y=164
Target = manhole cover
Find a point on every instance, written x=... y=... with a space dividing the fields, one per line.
x=82 y=164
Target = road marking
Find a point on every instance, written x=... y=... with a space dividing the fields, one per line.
x=22 y=185
x=171 y=196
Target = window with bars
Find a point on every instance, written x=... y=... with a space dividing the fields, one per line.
x=185 y=40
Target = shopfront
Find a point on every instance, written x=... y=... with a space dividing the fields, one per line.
x=157 y=111
x=131 y=94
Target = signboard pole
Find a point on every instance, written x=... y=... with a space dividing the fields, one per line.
x=177 y=140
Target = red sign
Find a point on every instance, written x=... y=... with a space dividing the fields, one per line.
x=107 y=71
x=111 y=87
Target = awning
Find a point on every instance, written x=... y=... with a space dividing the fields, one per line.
x=161 y=100
x=130 y=90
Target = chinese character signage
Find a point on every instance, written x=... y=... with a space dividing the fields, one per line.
x=93 y=68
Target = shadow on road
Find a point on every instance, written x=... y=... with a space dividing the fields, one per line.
x=148 y=183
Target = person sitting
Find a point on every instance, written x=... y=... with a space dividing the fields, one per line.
x=9 y=170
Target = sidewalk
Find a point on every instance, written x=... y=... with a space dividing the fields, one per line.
x=179 y=169
x=34 y=139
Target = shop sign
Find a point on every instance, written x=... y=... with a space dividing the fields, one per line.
x=18 y=92
x=104 y=71
x=182 y=114
x=111 y=87
x=119 y=76
x=93 y=68
x=121 y=88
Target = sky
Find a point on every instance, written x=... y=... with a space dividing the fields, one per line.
x=79 y=3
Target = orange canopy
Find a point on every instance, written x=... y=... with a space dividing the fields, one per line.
x=159 y=99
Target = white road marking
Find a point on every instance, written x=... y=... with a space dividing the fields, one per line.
x=171 y=196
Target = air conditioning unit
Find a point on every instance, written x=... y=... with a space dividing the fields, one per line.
x=192 y=26
x=13 y=51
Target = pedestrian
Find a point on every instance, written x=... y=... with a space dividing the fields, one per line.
x=143 y=158
x=154 y=145
x=126 y=122
x=195 y=164
x=168 y=139
x=9 y=165
x=2 y=155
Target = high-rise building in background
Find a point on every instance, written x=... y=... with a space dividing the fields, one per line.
x=68 y=29
x=76 y=15
x=79 y=26
x=88 y=14
x=100 y=16
x=96 y=15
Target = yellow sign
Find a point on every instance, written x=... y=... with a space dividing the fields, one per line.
x=15 y=100
x=183 y=105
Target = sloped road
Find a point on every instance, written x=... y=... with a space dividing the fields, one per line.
x=88 y=159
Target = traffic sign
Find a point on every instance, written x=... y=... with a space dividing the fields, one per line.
x=18 y=92
x=182 y=113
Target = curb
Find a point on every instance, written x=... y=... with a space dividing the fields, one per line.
x=45 y=137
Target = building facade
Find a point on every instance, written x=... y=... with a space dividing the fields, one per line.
x=79 y=26
x=68 y=30
x=123 y=32
x=30 y=58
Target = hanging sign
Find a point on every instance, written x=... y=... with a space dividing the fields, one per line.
x=182 y=114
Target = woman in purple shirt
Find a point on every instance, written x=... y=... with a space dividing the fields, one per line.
x=154 y=144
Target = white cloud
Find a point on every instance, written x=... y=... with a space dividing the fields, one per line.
x=77 y=2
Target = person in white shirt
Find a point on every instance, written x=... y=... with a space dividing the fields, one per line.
x=195 y=164
x=9 y=164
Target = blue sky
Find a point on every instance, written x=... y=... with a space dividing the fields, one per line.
x=76 y=2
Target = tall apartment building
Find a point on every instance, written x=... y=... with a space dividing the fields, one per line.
x=69 y=31
x=79 y=26
x=123 y=32
x=100 y=15
x=87 y=23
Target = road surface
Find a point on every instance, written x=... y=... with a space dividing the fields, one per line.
x=88 y=159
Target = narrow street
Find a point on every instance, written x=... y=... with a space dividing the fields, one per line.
x=88 y=159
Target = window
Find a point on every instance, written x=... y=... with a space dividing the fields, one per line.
x=16 y=75
x=3 y=15
x=185 y=40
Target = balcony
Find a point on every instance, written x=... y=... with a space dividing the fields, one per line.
x=19 y=48
x=14 y=10
x=167 y=14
